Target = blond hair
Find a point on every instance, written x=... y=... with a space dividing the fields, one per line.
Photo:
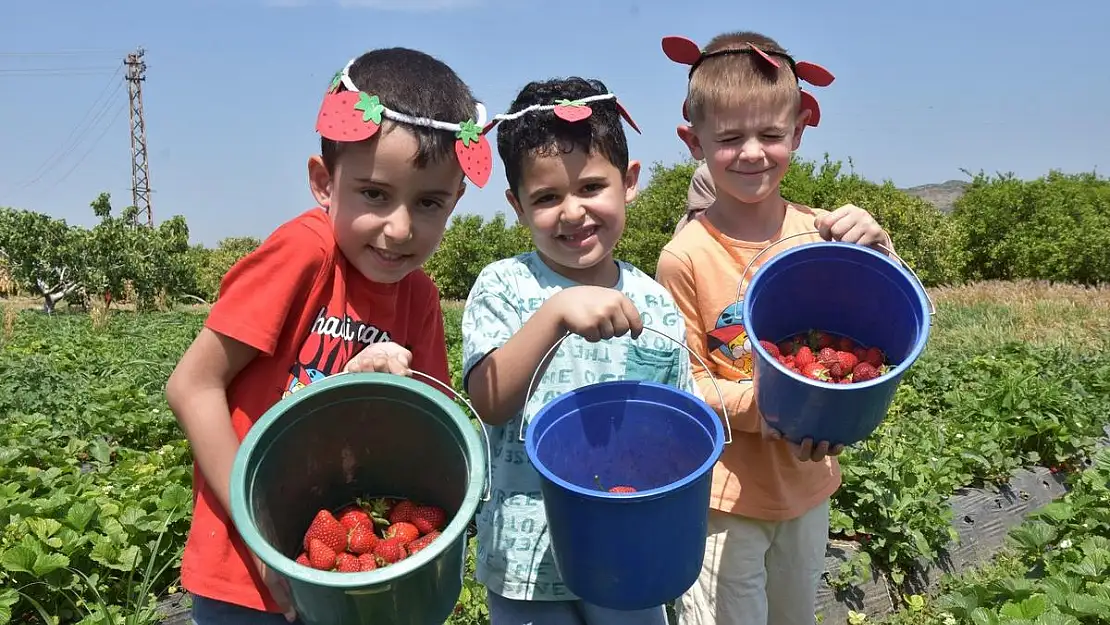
x=731 y=73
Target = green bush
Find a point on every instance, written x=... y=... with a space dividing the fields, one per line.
x=470 y=244
x=1056 y=228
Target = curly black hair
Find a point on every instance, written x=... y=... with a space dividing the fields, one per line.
x=542 y=133
x=417 y=84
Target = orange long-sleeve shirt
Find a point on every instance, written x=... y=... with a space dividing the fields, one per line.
x=754 y=477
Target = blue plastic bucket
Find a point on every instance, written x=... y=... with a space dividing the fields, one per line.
x=658 y=439
x=844 y=289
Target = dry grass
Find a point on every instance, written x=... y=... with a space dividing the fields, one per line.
x=1040 y=313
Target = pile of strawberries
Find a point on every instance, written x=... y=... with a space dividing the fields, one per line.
x=824 y=356
x=366 y=536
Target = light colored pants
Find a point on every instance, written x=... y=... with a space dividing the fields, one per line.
x=758 y=572
x=504 y=611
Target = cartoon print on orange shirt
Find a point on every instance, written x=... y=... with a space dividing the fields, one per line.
x=729 y=341
x=331 y=342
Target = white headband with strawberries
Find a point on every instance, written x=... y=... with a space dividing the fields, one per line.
x=349 y=114
x=567 y=110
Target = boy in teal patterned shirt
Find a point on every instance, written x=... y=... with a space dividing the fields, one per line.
x=566 y=160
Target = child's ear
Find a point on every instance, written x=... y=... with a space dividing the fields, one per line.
x=690 y=138
x=799 y=128
x=631 y=181
x=515 y=203
x=320 y=181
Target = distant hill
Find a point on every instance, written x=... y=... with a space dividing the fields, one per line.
x=942 y=195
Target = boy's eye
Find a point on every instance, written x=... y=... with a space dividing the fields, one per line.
x=374 y=195
x=593 y=187
x=431 y=203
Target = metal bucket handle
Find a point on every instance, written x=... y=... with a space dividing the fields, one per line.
x=543 y=361
x=485 y=435
x=743 y=276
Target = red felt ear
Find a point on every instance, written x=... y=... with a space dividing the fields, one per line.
x=810 y=103
x=685 y=111
x=681 y=50
x=626 y=116
x=813 y=73
x=490 y=124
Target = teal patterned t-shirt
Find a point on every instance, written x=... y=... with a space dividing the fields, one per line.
x=514 y=556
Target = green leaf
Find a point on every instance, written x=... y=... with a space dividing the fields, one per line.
x=100 y=450
x=175 y=497
x=80 y=515
x=469 y=132
x=370 y=106
x=47 y=563
x=20 y=558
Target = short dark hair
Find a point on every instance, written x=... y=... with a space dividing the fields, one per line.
x=416 y=84
x=542 y=133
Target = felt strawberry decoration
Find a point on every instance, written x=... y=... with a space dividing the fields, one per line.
x=628 y=118
x=572 y=111
x=473 y=152
x=349 y=116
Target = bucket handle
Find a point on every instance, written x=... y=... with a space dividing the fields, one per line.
x=744 y=275
x=720 y=395
x=485 y=434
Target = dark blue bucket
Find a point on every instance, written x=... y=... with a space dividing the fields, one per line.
x=658 y=439
x=844 y=289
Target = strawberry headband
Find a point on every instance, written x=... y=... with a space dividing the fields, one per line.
x=350 y=114
x=567 y=110
x=684 y=51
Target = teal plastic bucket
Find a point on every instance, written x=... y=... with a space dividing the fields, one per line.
x=359 y=435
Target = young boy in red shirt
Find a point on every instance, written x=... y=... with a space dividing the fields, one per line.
x=339 y=287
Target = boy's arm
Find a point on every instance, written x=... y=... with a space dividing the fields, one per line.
x=500 y=354
x=254 y=301
x=678 y=278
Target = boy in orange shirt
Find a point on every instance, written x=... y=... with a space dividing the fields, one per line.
x=769 y=517
x=339 y=287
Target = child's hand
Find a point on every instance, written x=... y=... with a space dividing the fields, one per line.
x=279 y=588
x=597 y=313
x=808 y=450
x=851 y=224
x=381 y=358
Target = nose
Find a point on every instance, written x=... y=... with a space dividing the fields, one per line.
x=398 y=226
x=573 y=211
x=751 y=150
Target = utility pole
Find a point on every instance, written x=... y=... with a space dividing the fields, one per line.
x=140 y=172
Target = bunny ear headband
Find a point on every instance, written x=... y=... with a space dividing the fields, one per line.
x=350 y=114
x=567 y=110
x=684 y=51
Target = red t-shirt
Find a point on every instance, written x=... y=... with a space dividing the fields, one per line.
x=299 y=302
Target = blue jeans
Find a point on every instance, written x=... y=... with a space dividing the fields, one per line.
x=504 y=611
x=213 y=612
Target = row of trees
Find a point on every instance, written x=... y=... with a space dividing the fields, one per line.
x=1056 y=228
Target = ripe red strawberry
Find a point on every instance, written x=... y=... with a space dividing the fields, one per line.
x=349 y=116
x=402 y=512
x=327 y=530
x=403 y=532
x=845 y=362
x=429 y=518
x=389 y=551
x=771 y=348
x=362 y=539
x=804 y=356
x=303 y=560
x=352 y=515
x=421 y=542
x=815 y=371
x=366 y=562
x=874 y=357
x=346 y=563
x=845 y=344
x=320 y=556
x=819 y=340
x=572 y=111
x=827 y=356
x=864 y=371
x=474 y=153
x=622 y=489
x=860 y=353
x=787 y=347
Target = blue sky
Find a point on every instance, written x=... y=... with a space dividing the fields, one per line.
x=233 y=86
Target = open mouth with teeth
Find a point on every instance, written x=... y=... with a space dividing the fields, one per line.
x=578 y=235
x=388 y=256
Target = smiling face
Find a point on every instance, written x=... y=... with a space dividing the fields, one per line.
x=388 y=215
x=574 y=204
x=747 y=148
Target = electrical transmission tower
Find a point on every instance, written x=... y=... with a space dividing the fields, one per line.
x=140 y=171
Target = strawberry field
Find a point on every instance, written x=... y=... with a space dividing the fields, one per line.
x=95 y=474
